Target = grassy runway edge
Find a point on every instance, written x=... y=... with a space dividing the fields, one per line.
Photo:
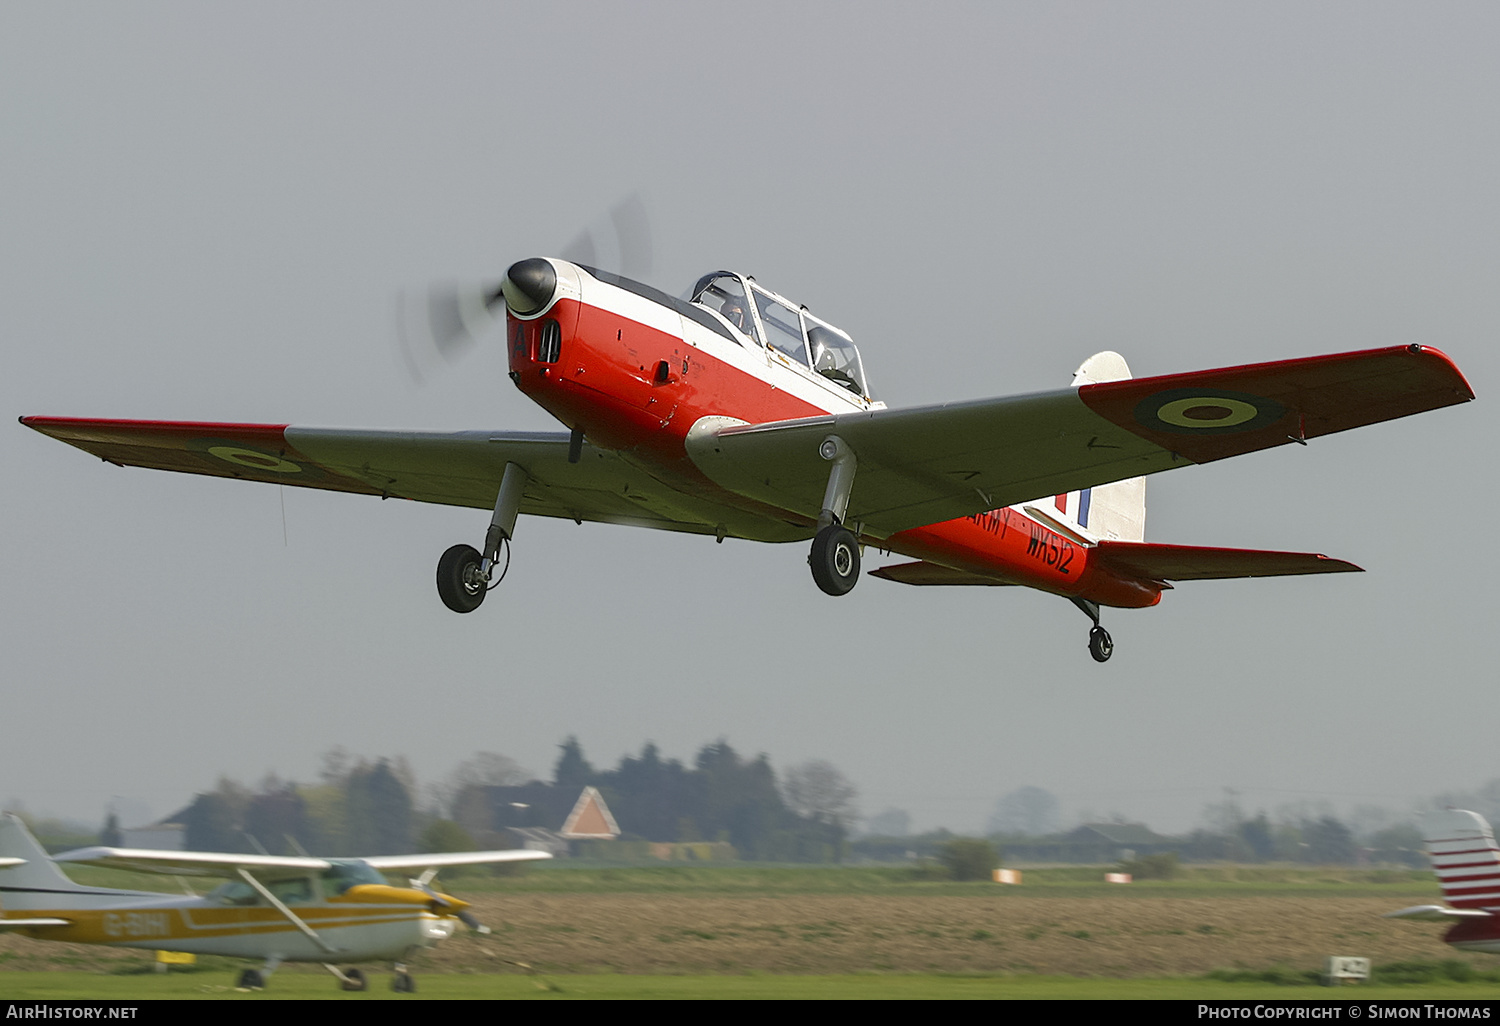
x=42 y=986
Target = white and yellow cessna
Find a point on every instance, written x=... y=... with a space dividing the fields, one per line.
x=280 y=909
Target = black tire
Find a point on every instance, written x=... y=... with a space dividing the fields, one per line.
x=402 y=983
x=453 y=585
x=251 y=979
x=835 y=560
x=354 y=979
x=1101 y=645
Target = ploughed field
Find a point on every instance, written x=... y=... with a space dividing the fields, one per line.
x=998 y=931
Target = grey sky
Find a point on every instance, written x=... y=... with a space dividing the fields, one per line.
x=206 y=212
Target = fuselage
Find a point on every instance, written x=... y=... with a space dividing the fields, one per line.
x=364 y=923
x=636 y=370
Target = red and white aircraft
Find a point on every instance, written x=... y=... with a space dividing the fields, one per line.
x=736 y=413
x=1467 y=862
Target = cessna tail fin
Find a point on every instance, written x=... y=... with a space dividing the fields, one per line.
x=34 y=880
x=1113 y=512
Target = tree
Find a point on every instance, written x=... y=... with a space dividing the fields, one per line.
x=572 y=769
x=483 y=769
x=379 y=811
x=110 y=836
x=969 y=858
x=1029 y=811
x=817 y=791
x=1328 y=842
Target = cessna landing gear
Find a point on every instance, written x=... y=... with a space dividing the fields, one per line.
x=464 y=574
x=354 y=979
x=835 y=560
x=1101 y=645
x=250 y=979
x=402 y=983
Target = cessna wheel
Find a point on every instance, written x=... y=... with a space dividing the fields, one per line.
x=458 y=580
x=1101 y=645
x=402 y=983
x=354 y=979
x=835 y=560
x=251 y=979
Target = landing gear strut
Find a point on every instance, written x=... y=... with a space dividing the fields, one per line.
x=464 y=574
x=835 y=549
x=1101 y=645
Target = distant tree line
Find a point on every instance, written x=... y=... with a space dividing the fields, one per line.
x=365 y=807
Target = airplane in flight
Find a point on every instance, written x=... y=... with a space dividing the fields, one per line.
x=275 y=908
x=737 y=413
x=1462 y=848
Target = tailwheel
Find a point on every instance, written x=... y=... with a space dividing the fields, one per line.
x=461 y=581
x=354 y=979
x=1101 y=645
x=835 y=560
x=402 y=983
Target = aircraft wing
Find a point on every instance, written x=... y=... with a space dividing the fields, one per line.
x=402 y=863
x=1437 y=913
x=928 y=464
x=461 y=468
x=194 y=863
x=31 y=924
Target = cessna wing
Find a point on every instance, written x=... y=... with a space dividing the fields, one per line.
x=271 y=867
x=930 y=464
x=460 y=468
x=194 y=863
x=402 y=863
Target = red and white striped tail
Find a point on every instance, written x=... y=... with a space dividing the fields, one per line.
x=1464 y=856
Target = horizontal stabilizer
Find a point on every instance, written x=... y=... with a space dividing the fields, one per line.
x=1437 y=913
x=1197 y=563
x=931 y=574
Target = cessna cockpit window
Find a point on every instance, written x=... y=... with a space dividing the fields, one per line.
x=346 y=874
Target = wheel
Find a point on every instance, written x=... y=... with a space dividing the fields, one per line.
x=251 y=979
x=835 y=560
x=1101 y=645
x=402 y=983
x=354 y=980
x=458 y=580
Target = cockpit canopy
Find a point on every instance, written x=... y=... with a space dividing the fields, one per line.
x=805 y=341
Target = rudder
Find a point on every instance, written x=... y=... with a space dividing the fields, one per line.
x=1464 y=856
x=1116 y=511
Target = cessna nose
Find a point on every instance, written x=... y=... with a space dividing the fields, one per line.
x=529 y=285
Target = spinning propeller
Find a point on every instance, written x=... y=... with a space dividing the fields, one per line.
x=456 y=908
x=442 y=325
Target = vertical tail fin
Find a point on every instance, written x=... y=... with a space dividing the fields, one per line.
x=35 y=882
x=1464 y=856
x=1117 y=511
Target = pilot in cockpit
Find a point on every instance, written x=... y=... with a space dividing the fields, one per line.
x=733 y=311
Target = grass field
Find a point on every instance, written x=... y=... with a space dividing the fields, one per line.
x=319 y=986
x=738 y=931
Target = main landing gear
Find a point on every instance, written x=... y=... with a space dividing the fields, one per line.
x=834 y=558
x=1101 y=645
x=464 y=574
